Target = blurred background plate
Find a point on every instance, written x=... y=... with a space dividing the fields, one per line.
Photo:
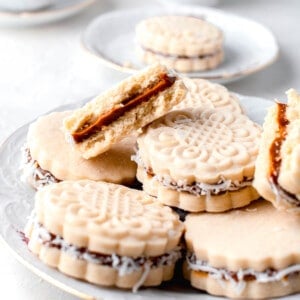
x=249 y=46
x=59 y=10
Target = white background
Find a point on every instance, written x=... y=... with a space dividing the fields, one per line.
x=43 y=67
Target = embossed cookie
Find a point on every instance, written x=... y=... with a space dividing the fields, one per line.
x=184 y=43
x=206 y=95
x=199 y=160
x=277 y=175
x=249 y=253
x=127 y=107
x=49 y=158
x=104 y=233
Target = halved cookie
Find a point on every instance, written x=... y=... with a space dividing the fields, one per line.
x=127 y=107
x=49 y=158
x=184 y=43
x=277 y=175
x=104 y=233
x=249 y=253
x=199 y=160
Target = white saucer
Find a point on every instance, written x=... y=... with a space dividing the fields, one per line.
x=249 y=46
x=59 y=10
x=16 y=199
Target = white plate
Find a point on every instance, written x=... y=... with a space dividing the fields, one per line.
x=16 y=200
x=249 y=46
x=59 y=10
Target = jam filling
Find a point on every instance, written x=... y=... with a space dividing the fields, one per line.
x=175 y=56
x=164 y=82
x=275 y=156
x=35 y=173
x=123 y=263
x=243 y=275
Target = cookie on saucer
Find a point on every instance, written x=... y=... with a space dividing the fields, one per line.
x=277 y=175
x=183 y=43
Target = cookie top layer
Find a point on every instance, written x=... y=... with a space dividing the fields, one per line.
x=108 y=218
x=206 y=95
x=49 y=148
x=179 y=35
x=195 y=145
x=256 y=237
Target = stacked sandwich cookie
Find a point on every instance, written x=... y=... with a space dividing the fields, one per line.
x=199 y=160
x=249 y=253
x=184 y=43
x=49 y=158
x=105 y=233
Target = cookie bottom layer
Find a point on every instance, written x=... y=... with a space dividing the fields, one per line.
x=192 y=203
x=249 y=289
x=96 y=273
x=182 y=64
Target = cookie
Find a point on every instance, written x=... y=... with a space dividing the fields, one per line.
x=205 y=94
x=277 y=175
x=125 y=108
x=249 y=253
x=184 y=43
x=199 y=160
x=49 y=158
x=104 y=233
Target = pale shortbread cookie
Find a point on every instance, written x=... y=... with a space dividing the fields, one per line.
x=51 y=158
x=277 y=175
x=125 y=108
x=105 y=233
x=249 y=253
x=205 y=94
x=199 y=160
x=184 y=43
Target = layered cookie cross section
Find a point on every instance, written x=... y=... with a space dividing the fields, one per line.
x=123 y=109
x=277 y=175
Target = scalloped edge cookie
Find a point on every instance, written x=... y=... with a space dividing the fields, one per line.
x=245 y=253
x=184 y=43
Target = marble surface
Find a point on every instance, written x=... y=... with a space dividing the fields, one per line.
x=44 y=67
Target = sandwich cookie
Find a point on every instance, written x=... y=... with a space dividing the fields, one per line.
x=183 y=43
x=249 y=253
x=277 y=175
x=125 y=108
x=205 y=94
x=49 y=158
x=199 y=160
x=104 y=233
